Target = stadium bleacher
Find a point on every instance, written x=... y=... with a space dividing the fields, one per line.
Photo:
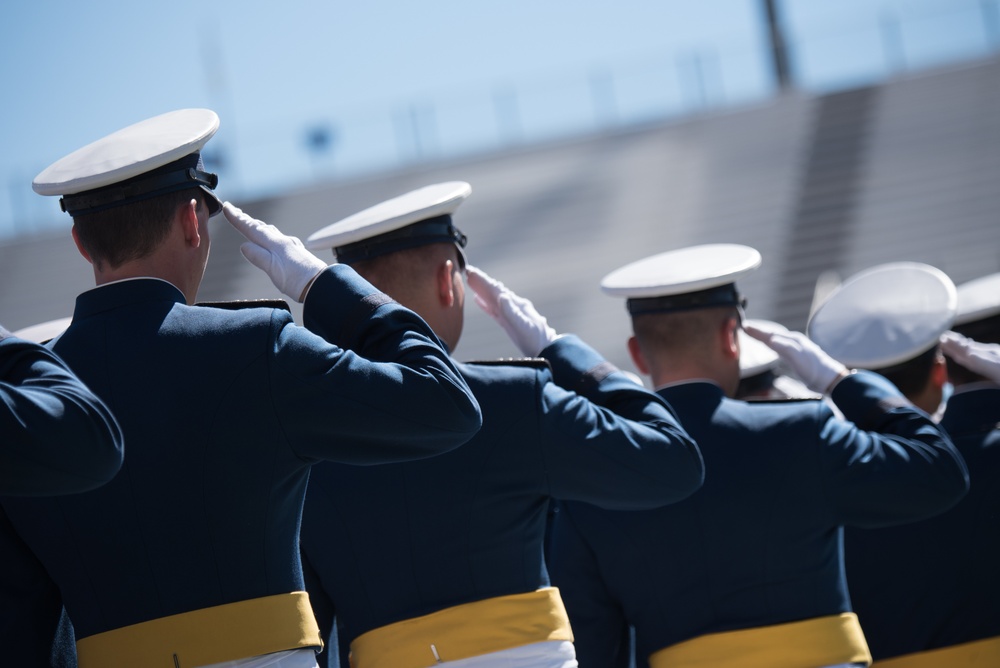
x=822 y=185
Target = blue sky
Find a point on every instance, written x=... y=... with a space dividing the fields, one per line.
x=394 y=81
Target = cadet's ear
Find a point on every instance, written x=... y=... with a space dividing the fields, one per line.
x=445 y=285
x=188 y=214
x=638 y=358
x=939 y=371
x=729 y=337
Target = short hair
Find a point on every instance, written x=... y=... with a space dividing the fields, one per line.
x=399 y=271
x=130 y=231
x=686 y=330
x=912 y=376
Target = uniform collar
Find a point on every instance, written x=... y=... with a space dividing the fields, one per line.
x=125 y=292
x=690 y=381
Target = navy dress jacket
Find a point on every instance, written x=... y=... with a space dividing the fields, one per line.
x=761 y=542
x=394 y=542
x=224 y=412
x=936 y=583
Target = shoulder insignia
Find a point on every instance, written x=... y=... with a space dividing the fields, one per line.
x=533 y=362
x=780 y=400
x=248 y=303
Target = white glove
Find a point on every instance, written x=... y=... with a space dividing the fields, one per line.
x=814 y=367
x=529 y=331
x=981 y=358
x=284 y=259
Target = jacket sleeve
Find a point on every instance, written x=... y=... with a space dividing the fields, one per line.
x=609 y=441
x=58 y=437
x=367 y=381
x=890 y=463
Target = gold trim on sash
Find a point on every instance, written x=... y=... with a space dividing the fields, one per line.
x=983 y=653
x=822 y=641
x=211 y=635
x=464 y=631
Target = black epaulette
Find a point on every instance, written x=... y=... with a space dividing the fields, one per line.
x=533 y=362
x=248 y=303
x=779 y=400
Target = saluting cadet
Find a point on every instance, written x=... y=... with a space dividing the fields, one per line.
x=748 y=571
x=189 y=556
x=888 y=319
x=928 y=593
x=440 y=562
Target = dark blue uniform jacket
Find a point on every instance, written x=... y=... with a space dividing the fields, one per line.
x=224 y=412
x=761 y=542
x=394 y=542
x=936 y=583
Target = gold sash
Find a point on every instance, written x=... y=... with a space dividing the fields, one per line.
x=464 y=631
x=211 y=635
x=822 y=641
x=976 y=654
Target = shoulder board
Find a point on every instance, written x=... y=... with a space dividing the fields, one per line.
x=781 y=400
x=248 y=303
x=533 y=362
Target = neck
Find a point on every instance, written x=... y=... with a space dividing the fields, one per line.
x=148 y=268
x=927 y=400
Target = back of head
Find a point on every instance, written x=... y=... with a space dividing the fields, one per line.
x=124 y=189
x=407 y=274
x=912 y=376
x=888 y=319
x=682 y=339
x=686 y=311
x=132 y=231
x=409 y=248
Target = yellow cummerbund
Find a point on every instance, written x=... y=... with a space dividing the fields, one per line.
x=210 y=635
x=464 y=631
x=822 y=641
x=976 y=654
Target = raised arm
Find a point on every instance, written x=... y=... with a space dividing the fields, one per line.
x=888 y=462
x=609 y=441
x=58 y=437
x=367 y=379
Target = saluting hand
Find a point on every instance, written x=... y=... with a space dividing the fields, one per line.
x=811 y=364
x=284 y=259
x=981 y=358
x=526 y=327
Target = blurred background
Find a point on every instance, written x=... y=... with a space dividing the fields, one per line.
x=830 y=136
